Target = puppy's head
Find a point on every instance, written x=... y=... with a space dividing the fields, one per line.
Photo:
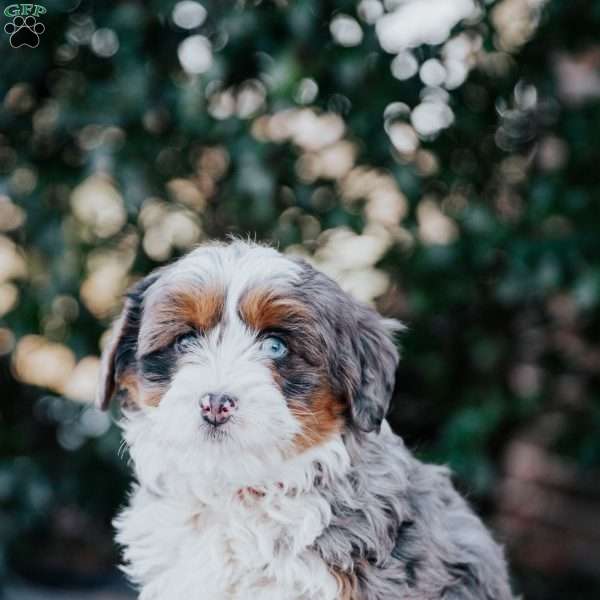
x=241 y=348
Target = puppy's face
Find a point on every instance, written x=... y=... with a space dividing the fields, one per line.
x=237 y=351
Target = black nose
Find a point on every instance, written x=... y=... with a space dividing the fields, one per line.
x=217 y=408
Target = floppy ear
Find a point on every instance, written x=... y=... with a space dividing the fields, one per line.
x=361 y=355
x=118 y=371
x=376 y=358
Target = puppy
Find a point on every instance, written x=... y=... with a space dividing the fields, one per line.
x=255 y=392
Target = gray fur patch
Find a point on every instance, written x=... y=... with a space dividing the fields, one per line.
x=404 y=531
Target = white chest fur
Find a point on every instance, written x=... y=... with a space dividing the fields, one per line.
x=246 y=547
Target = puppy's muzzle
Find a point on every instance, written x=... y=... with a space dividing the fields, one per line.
x=217 y=408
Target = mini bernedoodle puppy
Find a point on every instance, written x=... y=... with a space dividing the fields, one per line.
x=255 y=392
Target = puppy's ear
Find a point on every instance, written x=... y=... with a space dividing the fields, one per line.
x=375 y=359
x=118 y=364
x=358 y=347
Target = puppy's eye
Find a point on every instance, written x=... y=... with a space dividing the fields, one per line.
x=273 y=347
x=183 y=340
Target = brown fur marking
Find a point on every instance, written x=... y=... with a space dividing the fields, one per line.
x=135 y=394
x=319 y=420
x=179 y=312
x=265 y=309
x=202 y=309
x=347 y=583
x=128 y=385
x=151 y=397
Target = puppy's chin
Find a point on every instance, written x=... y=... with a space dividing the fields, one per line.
x=173 y=441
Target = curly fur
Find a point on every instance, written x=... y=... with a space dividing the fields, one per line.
x=262 y=508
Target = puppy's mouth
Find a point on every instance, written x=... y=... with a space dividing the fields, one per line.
x=216 y=432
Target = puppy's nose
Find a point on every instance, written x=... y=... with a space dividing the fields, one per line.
x=217 y=408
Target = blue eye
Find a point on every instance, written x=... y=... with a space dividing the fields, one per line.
x=273 y=347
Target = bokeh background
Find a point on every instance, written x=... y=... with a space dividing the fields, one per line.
x=439 y=158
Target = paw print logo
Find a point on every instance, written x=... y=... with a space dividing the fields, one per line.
x=24 y=31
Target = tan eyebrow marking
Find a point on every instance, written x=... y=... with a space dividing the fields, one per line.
x=203 y=310
x=178 y=312
x=266 y=309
